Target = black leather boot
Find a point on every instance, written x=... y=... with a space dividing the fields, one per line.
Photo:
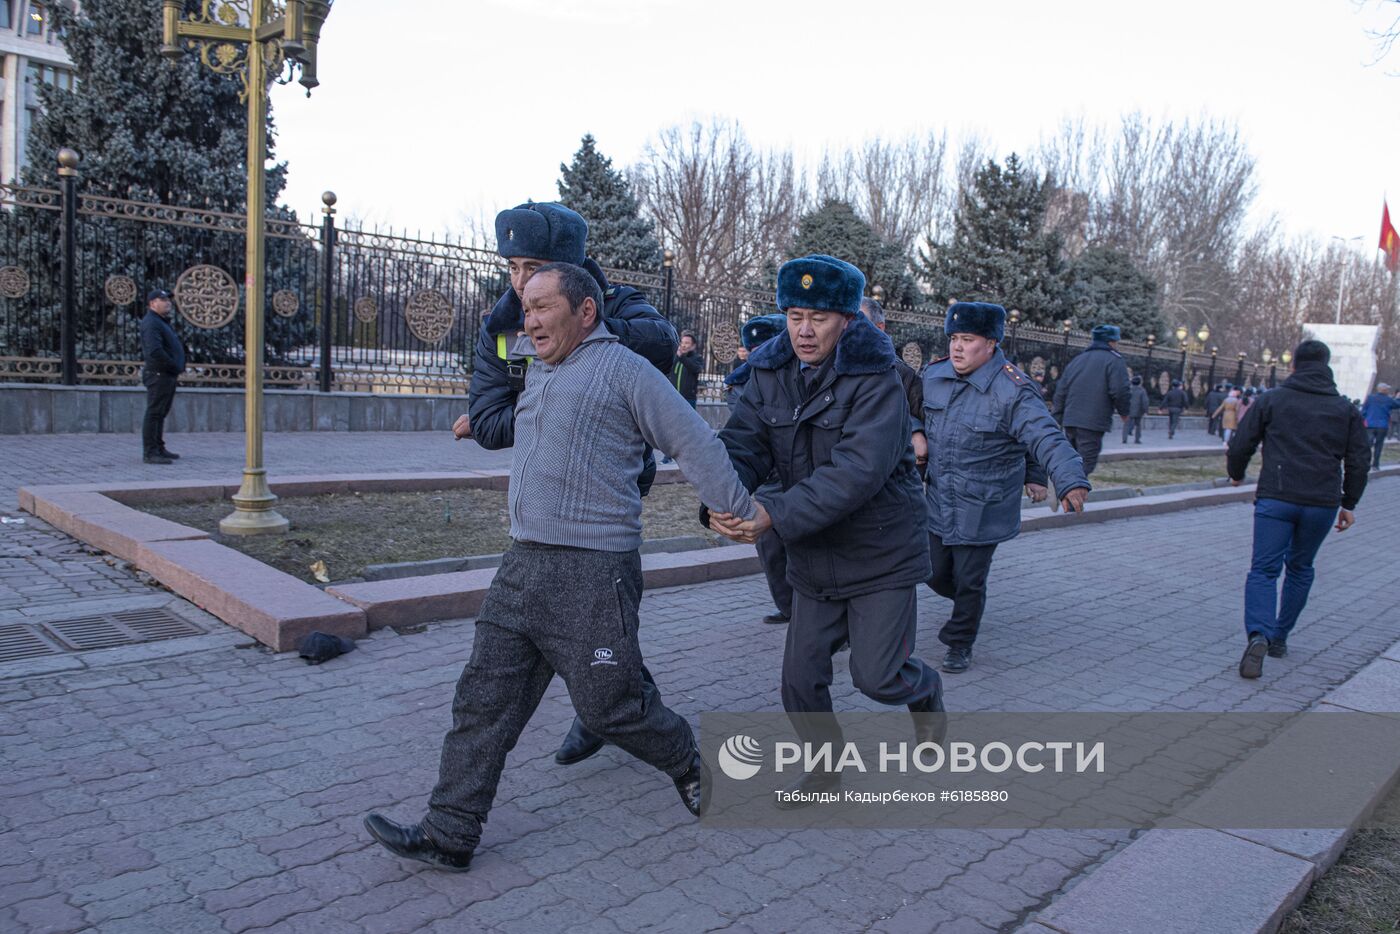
x=810 y=784
x=930 y=722
x=166 y=452
x=957 y=659
x=579 y=744
x=694 y=786
x=410 y=842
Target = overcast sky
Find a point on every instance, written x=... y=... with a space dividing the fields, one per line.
x=442 y=111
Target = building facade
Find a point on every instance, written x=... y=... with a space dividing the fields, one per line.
x=34 y=55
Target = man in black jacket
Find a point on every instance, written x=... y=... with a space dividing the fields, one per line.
x=1093 y=387
x=1175 y=403
x=913 y=387
x=685 y=375
x=1138 y=404
x=164 y=359
x=528 y=237
x=1216 y=396
x=1315 y=460
x=825 y=409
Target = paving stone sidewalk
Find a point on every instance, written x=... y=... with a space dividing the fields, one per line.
x=223 y=791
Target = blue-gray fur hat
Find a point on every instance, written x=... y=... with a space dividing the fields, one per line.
x=542 y=230
x=981 y=318
x=757 y=330
x=821 y=282
x=1106 y=332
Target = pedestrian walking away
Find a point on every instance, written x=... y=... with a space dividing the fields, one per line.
x=826 y=411
x=529 y=237
x=1093 y=386
x=1377 y=410
x=163 y=360
x=1213 y=399
x=990 y=436
x=1229 y=415
x=1138 y=404
x=567 y=593
x=1313 y=475
x=1174 y=403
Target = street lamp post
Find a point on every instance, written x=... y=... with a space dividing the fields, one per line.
x=1268 y=357
x=1239 y=369
x=275 y=32
x=1181 y=335
x=1015 y=320
x=1210 y=379
x=1342 y=286
x=1068 y=326
x=1147 y=376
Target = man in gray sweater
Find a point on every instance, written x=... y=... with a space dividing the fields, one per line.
x=567 y=594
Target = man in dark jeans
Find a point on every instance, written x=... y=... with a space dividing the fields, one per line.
x=1315 y=460
x=1376 y=410
x=164 y=358
x=1093 y=386
x=1174 y=402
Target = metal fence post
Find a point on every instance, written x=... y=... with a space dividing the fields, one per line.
x=68 y=335
x=668 y=260
x=327 y=286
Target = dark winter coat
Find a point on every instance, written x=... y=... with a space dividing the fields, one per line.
x=1176 y=399
x=1377 y=408
x=1093 y=386
x=161 y=349
x=989 y=434
x=1213 y=400
x=685 y=375
x=1315 y=447
x=497 y=382
x=1138 y=403
x=850 y=508
x=913 y=393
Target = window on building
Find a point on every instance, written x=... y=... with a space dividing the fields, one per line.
x=36 y=20
x=5 y=20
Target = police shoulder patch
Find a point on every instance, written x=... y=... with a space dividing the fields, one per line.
x=1016 y=375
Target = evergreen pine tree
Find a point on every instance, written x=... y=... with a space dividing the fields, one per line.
x=1106 y=288
x=617 y=234
x=836 y=230
x=147 y=130
x=1000 y=250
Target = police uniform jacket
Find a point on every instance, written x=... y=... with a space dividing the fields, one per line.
x=498 y=378
x=989 y=434
x=849 y=505
x=1093 y=386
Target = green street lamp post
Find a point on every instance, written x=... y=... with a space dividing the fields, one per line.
x=253 y=40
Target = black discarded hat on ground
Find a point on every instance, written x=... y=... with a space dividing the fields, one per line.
x=318 y=647
x=154 y=294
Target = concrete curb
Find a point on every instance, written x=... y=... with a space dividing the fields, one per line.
x=1225 y=881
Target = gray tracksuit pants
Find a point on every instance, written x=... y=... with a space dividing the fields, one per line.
x=550 y=609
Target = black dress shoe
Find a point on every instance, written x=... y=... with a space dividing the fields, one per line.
x=957 y=659
x=929 y=726
x=1278 y=648
x=777 y=619
x=410 y=842
x=170 y=454
x=803 y=791
x=694 y=786
x=1252 y=662
x=579 y=744
x=157 y=459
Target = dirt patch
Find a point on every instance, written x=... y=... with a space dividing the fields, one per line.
x=1361 y=893
x=348 y=531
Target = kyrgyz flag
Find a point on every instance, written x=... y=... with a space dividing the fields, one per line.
x=1390 y=240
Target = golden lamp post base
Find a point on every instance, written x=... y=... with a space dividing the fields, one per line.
x=253 y=512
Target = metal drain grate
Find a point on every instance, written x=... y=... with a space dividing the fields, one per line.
x=126 y=627
x=21 y=642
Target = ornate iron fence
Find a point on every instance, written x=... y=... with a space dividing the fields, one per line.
x=351 y=309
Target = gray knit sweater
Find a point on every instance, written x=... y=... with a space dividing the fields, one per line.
x=580 y=427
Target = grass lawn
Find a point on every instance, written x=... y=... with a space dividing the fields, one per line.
x=348 y=531
x=1141 y=473
x=1361 y=893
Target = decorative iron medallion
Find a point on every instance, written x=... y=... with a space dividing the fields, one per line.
x=206 y=296
x=121 y=290
x=285 y=302
x=430 y=316
x=14 y=282
x=366 y=310
x=724 y=342
x=912 y=354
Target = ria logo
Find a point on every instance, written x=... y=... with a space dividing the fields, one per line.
x=740 y=757
x=603 y=657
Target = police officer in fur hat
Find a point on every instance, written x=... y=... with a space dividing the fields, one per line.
x=529 y=236
x=989 y=435
x=755 y=332
x=826 y=411
x=1093 y=387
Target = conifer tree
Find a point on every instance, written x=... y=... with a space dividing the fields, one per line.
x=836 y=230
x=617 y=233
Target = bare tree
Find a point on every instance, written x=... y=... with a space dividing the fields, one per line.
x=898 y=186
x=724 y=207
